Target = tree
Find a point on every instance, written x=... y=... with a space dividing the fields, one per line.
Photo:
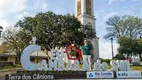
x=125 y=45
x=89 y=32
x=130 y=45
x=126 y=30
x=139 y=48
x=15 y=41
x=5 y=48
x=52 y=30
x=120 y=57
x=127 y=26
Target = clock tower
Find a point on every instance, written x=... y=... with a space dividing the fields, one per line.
x=84 y=11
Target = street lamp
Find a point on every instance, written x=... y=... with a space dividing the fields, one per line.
x=112 y=47
x=1 y=29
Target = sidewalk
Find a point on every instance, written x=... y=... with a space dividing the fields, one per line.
x=8 y=71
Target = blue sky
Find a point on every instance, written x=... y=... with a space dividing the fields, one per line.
x=13 y=10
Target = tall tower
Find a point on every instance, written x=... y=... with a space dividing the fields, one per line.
x=84 y=11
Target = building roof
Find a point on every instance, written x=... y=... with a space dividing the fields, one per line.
x=40 y=54
x=12 y=54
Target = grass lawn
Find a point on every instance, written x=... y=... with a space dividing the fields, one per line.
x=10 y=67
x=134 y=68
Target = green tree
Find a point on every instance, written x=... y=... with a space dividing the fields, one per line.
x=120 y=57
x=53 y=30
x=15 y=41
x=126 y=30
x=5 y=48
x=139 y=48
x=14 y=38
x=127 y=26
x=130 y=45
x=89 y=32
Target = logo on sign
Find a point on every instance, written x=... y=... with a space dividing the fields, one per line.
x=100 y=74
x=122 y=74
x=90 y=75
x=128 y=74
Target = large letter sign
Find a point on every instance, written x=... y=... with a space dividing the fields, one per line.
x=25 y=57
x=56 y=62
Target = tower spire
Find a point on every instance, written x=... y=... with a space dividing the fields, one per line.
x=84 y=12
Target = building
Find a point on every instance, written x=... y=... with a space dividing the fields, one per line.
x=36 y=57
x=84 y=11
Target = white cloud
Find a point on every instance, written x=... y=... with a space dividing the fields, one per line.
x=105 y=49
x=11 y=6
x=113 y=1
x=8 y=7
x=42 y=4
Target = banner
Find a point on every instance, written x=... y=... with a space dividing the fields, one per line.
x=128 y=74
x=100 y=74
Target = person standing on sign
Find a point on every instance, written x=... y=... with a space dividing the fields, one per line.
x=87 y=51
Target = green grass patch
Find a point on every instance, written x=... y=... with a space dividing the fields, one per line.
x=10 y=67
x=136 y=68
x=51 y=72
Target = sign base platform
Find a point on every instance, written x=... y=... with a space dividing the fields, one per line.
x=49 y=75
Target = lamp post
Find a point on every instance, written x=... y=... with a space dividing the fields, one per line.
x=112 y=47
x=1 y=29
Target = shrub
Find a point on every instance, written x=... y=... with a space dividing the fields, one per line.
x=105 y=60
x=120 y=57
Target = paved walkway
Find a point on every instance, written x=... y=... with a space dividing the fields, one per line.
x=3 y=73
x=2 y=78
